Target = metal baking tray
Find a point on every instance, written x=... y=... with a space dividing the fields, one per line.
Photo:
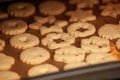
x=104 y=71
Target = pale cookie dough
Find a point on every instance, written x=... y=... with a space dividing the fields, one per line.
x=118 y=44
x=61 y=23
x=75 y=65
x=112 y=10
x=52 y=7
x=2 y=44
x=54 y=28
x=48 y=41
x=9 y=75
x=81 y=15
x=21 y=9
x=95 y=44
x=6 y=62
x=69 y=54
x=13 y=26
x=42 y=69
x=109 y=31
x=34 y=55
x=3 y=15
x=35 y=25
x=87 y=29
x=84 y=3
x=97 y=58
x=23 y=41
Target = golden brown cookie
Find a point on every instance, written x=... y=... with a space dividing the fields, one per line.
x=52 y=7
x=21 y=9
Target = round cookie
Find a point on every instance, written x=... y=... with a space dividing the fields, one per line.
x=75 y=65
x=87 y=29
x=9 y=75
x=6 y=62
x=97 y=58
x=52 y=7
x=21 y=9
x=13 y=26
x=70 y=54
x=109 y=31
x=34 y=55
x=2 y=44
x=95 y=44
x=49 y=40
x=23 y=41
x=42 y=69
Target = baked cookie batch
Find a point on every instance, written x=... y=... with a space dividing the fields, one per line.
x=52 y=37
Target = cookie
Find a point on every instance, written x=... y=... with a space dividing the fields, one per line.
x=35 y=25
x=97 y=58
x=118 y=44
x=23 y=41
x=49 y=40
x=21 y=9
x=48 y=19
x=13 y=26
x=41 y=20
x=109 y=31
x=61 y=23
x=45 y=30
x=108 y=1
x=9 y=75
x=56 y=8
x=95 y=44
x=81 y=29
x=81 y=15
x=75 y=65
x=2 y=44
x=34 y=55
x=6 y=62
x=42 y=69
x=69 y=54
x=3 y=15
x=84 y=3
x=111 y=10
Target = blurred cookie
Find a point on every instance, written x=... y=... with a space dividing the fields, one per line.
x=9 y=75
x=75 y=65
x=34 y=55
x=112 y=10
x=42 y=69
x=3 y=15
x=118 y=44
x=84 y=3
x=81 y=29
x=45 y=30
x=95 y=44
x=13 y=26
x=35 y=25
x=2 y=44
x=21 y=9
x=24 y=41
x=97 y=58
x=52 y=7
x=6 y=62
x=69 y=54
x=81 y=15
x=109 y=31
x=49 y=40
